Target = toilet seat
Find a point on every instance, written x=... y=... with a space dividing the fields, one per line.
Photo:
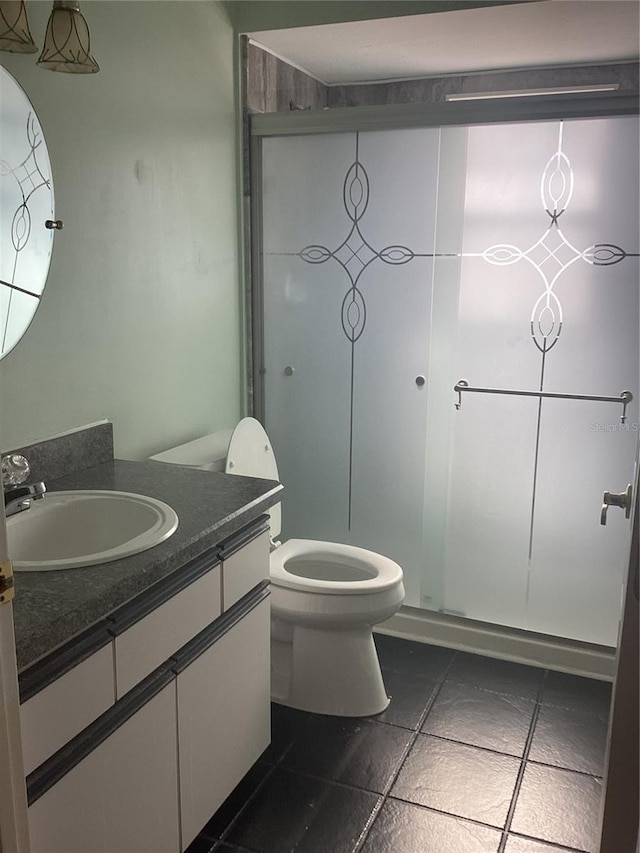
x=331 y=568
x=250 y=454
x=325 y=597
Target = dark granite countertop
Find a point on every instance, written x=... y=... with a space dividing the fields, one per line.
x=51 y=607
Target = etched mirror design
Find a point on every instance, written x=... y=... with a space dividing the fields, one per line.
x=26 y=204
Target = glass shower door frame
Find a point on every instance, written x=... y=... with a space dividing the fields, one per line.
x=449 y=116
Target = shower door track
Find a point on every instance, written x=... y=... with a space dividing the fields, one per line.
x=395 y=116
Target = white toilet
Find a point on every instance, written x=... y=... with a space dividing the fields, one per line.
x=325 y=599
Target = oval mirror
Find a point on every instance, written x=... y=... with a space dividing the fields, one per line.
x=26 y=204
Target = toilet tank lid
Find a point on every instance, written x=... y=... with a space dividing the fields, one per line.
x=201 y=451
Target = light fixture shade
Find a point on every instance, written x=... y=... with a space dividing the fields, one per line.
x=15 y=35
x=66 y=42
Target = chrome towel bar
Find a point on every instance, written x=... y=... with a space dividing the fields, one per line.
x=625 y=397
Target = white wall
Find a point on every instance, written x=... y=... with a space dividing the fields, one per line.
x=140 y=319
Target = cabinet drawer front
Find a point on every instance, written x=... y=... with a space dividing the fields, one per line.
x=245 y=569
x=223 y=717
x=152 y=640
x=121 y=798
x=66 y=706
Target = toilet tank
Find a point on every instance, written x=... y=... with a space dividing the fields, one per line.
x=208 y=452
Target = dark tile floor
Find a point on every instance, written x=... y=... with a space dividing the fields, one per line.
x=473 y=755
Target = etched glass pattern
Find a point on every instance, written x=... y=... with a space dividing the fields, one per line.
x=26 y=202
x=396 y=263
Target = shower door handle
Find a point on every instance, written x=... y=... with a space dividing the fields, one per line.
x=623 y=500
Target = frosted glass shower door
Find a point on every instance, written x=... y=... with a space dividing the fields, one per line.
x=395 y=264
x=348 y=240
x=548 y=301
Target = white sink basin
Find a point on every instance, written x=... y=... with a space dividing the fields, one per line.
x=68 y=530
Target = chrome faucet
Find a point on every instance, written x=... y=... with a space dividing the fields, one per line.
x=18 y=498
x=17 y=494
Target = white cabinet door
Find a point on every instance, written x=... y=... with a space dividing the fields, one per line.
x=63 y=708
x=244 y=569
x=123 y=796
x=152 y=640
x=223 y=717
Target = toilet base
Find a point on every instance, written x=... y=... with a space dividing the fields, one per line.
x=334 y=672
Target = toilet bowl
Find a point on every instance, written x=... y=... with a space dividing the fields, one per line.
x=325 y=599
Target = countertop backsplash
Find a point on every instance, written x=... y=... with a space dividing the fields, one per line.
x=69 y=452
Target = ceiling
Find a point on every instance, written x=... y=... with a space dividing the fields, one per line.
x=523 y=35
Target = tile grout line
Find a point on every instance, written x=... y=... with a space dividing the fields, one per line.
x=456 y=817
x=586 y=773
x=562 y=847
x=478 y=747
x=523 y=766
x=415 y=732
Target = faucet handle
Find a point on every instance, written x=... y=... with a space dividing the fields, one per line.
x=15 y=469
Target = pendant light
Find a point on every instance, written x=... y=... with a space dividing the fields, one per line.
x=66 y=43
x=15 y=35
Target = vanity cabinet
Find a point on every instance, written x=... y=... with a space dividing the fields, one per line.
x=122 y=796
x=188 y=711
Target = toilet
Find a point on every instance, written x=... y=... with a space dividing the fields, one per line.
x=325 y=599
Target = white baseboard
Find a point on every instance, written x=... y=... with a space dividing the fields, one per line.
x=455 y=632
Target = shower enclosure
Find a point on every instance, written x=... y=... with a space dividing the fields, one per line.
x=395 y=264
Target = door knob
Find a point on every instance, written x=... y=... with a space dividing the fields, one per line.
x=623 y=500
